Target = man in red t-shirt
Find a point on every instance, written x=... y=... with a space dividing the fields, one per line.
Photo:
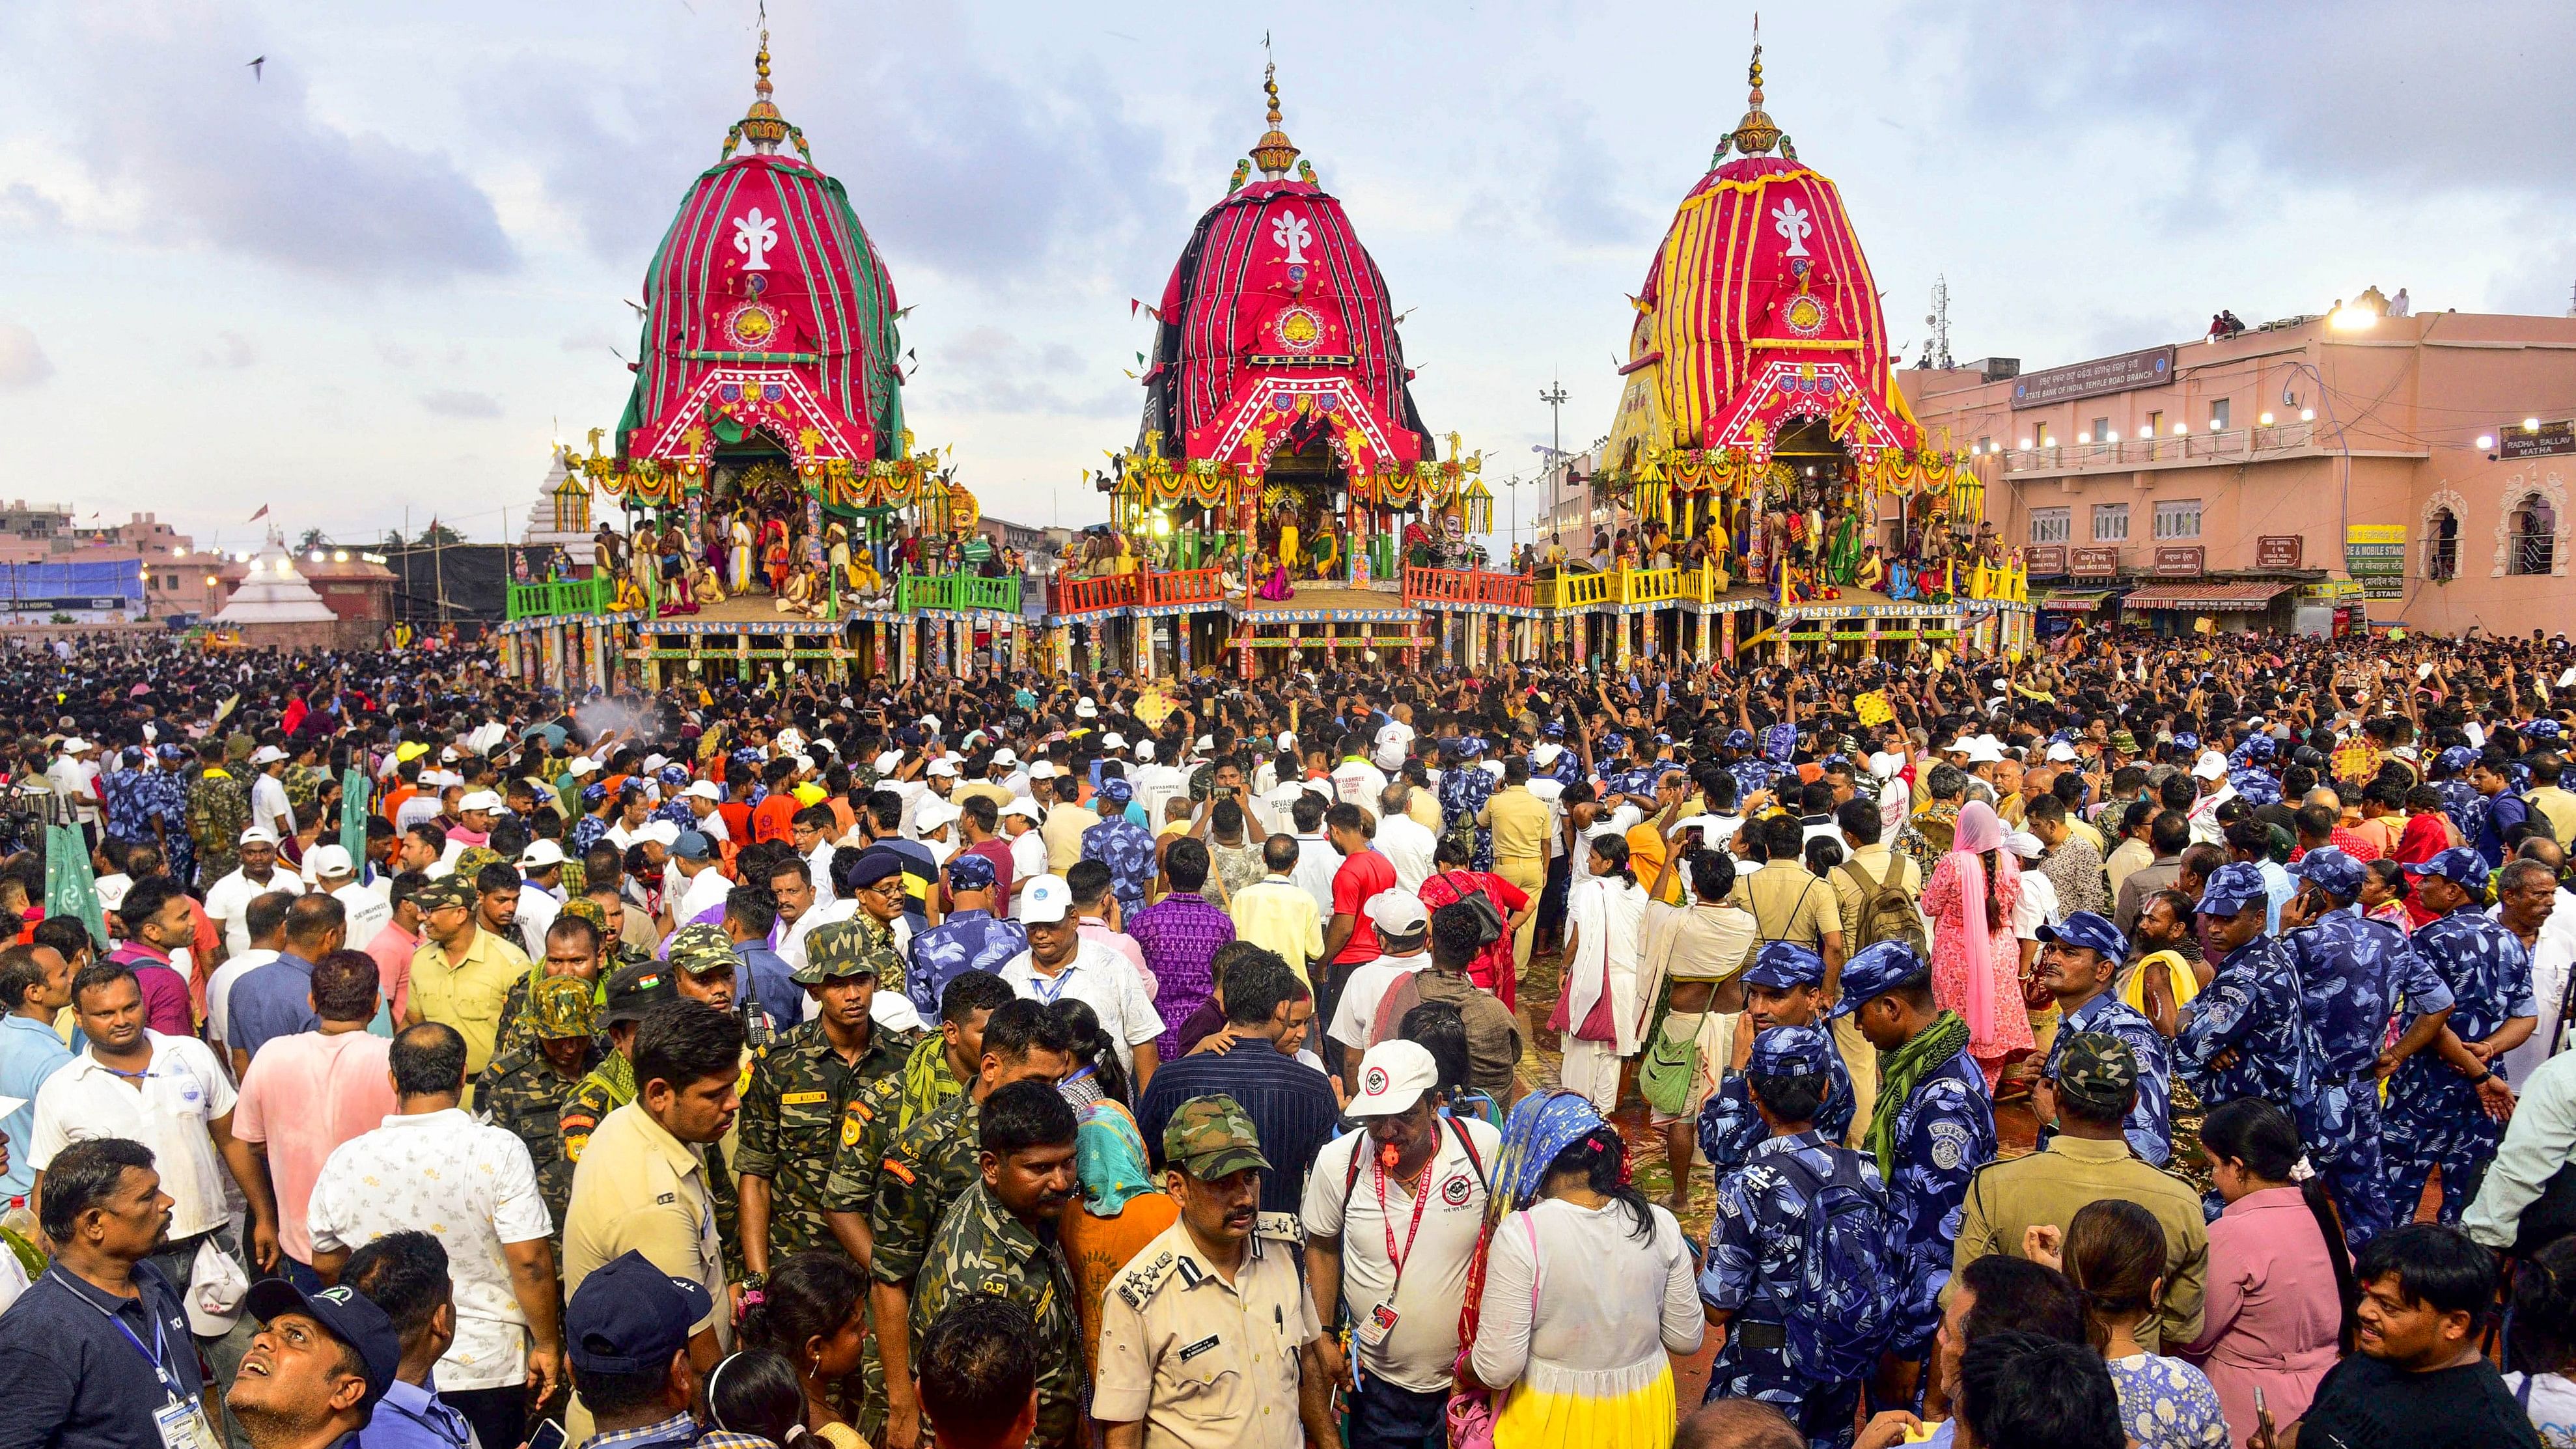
x=1452 y=882
x=977 y=819
x=774 y=817
x=1349 y=940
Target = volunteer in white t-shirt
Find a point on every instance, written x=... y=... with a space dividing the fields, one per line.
x=1391 y=1216
x=1401 y=922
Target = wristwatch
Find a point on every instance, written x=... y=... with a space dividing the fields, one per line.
x=2482 y=1078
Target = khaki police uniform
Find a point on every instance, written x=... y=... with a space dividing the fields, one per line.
x=1200 y=1360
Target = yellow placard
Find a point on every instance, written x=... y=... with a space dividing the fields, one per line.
x=2354 y=762
x=1152 y=708
x=1873 y=708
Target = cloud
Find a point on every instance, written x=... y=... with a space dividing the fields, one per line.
x=25 y=209
x=591 y=342
x=1577 y=193
x=988 y=370
x=23 y=363
x=458 y=403
x=215 y=159
x=396 y=354
x=230 y=350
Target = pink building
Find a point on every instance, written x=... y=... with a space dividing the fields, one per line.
x=2414 y=466
x=175 y=577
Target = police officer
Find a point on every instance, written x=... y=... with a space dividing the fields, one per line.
x=2079 y=962
x=632 y=994
x=2443 y=1112
x=2352 y=973
x=1932 y=1128
x=1785 y=986
x=527 y=1087
x=971 y=937
x=1185 y=1356
x=2246 y=1034
x=801 y=1086
x=1776 y=1257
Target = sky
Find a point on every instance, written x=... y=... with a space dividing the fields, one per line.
x=369 y=282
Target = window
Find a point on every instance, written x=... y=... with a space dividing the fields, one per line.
x=2110 y=523
x=2178 y=518
x=2039 y=435
x=2442 y=547
x=2218 y=415
x=2532 y=541
x=2100 y=432
x=1985 y=445
x=2051 y=525
x=2155 y=425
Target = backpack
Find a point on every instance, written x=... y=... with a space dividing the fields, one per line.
x=1886 y=911
x=1844 y=1309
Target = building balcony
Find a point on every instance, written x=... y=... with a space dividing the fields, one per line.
x=2235 y=445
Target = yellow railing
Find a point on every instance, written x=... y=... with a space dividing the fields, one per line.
x=1573 y=591
x=1648 y=586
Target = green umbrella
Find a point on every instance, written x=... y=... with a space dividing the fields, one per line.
x=70 y=890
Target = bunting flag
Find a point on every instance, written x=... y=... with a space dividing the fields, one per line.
x=256 y=517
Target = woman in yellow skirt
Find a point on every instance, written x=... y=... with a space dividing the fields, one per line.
x=1558 y=1334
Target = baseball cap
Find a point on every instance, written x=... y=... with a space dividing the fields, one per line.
x=2459 y=865
x=664 y=833
x=2233 y=887
x=1543 y=755
x=1046 y=900
x=259 y=835
x=971 y=873
x=2331 y=871
x=935 y=814
x=701 y=947
x=1023 y=805
x=847 y=948
x=324 y=860
x=1041 y=769
x=1780 y=965
x=2097 y=1070
x=1113 y=741
x=347 y=1315
x=541 y=854
x=1145 y=750
x=692 y=845
x=938 y=768
x=703 y=790
x=1211 y=1137
x=2088 y=929
x=636 y=990
x=582 y=765
x=1873 y=971
x=1393 y=1076
x=1397 y=913
x=2210 y=766
x=264 y=755
x=629 y=1317
x=1086 y=708
x=1791 y=1051
x=479 y=800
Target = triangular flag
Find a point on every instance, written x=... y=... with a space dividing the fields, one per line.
x=1132 y=305
x=263 y=513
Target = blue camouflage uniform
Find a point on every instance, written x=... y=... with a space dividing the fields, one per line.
x=1123 y=846
x=2149 y=1128
x=1465 y=786
x=2434 y=1118
x=2352 y=972
x=127 y=798
x=2460 y=799
x=2251 y=1007
x=1943 y=1132
x=166 y=795
x=1766 y=1267
x=1729 y=1128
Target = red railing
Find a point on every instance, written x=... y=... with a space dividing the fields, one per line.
x=1085 y=596
x=1191 y=586
x=1469 y=587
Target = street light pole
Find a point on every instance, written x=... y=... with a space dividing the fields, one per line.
x=1554 y=397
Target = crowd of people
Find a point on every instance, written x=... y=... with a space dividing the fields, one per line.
x=2151 y=1041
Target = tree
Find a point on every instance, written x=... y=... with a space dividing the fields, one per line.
x=311 y=539
x=439 y=535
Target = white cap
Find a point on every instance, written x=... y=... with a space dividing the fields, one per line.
x=1041 y=769
x=930 y=724
x=935 y=815
x=1144 y=749
x=264 y=755
x=582 y=765
x=1047 y=899
x=1983 y=751
x=1113 y=741
x=1397 y=913
x=2210 y=766
x=1086 y=708
x=940 y=767
x=1005 y=756
x=655 y=762
x=1022 y=805
x=1205 y=742
x=1543 y=754
x=887 y=760
x=2062 y=753
x=479 y=800
x=1963 y=745
x=541 y=854
x=703 y=790
x=76 y=745
x=803 y=761
x=1886 y=766
x=789 y=739
x=1393 y=1076
x=2024 y=844
x=324 y=860
x=1287 y=740
x=894 y=1011
x=664 y=833
x=259 y=835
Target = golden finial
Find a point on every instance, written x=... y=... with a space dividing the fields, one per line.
x=1755 y=135
x=762 y=126
x=1273 y=153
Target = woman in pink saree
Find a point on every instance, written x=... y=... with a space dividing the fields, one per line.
x=1976 y=965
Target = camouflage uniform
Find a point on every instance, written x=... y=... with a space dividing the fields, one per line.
x=877 y=1143
x=218 y=813
x=982 y=1248
x=797 y=1109
x=303 y=791
x=522 y=1091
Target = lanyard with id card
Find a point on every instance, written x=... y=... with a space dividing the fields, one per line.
x=181 y=1421
x=1374 y=1330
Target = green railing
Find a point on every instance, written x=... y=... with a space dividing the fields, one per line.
x=560 y=597
x=957 y=591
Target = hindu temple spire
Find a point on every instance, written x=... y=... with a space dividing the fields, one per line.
x=1273 y=153
x=1755 y=135
x=762 y=125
